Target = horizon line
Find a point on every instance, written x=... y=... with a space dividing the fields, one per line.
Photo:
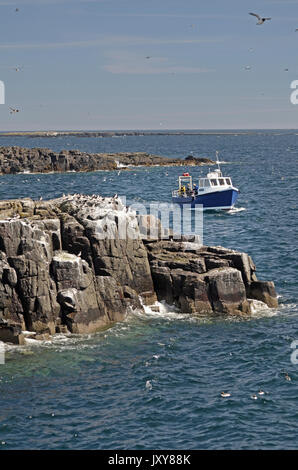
x=149 y=130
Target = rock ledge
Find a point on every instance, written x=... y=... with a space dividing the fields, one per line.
x=65 y=266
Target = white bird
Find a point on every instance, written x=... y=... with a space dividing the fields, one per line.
x=260 y=20
x=79 y=255
x=149 y=385
x=254 y=397
x=260 y=392
x=287 y=377
x=225 y=394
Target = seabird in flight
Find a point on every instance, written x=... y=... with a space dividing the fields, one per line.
x=260 y=20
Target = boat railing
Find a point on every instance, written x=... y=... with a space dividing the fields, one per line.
x=179 y=193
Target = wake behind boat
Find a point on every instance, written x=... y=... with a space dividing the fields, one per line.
x=214 y=191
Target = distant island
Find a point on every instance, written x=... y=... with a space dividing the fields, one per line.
x=15 y=160
x=120 y=133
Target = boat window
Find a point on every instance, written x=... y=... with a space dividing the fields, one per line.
x=221 y=181
x=206 y=183
x=214 y=182
x=201 y=183
x=228 y=181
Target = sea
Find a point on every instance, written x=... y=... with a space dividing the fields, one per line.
x=154 y=381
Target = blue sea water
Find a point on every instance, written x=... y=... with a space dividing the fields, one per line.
x=154 y=381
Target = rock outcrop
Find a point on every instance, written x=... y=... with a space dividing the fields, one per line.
x=199 y=279
x=41 y=160
x=79 y=263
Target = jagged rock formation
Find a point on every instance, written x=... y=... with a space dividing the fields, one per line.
x=41 y=160
x=200 y=279
x=78 y=263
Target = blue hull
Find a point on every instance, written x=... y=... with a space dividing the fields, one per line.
x=217 y=200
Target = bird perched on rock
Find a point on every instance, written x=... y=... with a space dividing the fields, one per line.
x=260 y=20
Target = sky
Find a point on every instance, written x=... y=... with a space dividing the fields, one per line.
x=148 y=64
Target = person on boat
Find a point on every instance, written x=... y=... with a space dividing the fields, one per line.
x=196 y=189
x=183 y=190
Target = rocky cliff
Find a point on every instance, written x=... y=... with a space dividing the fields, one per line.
x=78 y=263
x=41 y=160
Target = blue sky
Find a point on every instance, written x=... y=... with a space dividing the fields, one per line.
x=85 y=66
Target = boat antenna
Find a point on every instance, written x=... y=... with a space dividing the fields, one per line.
x=217 y=161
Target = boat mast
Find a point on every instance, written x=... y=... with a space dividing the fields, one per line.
x=217 y=161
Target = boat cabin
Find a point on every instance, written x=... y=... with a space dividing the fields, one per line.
x=214 y=179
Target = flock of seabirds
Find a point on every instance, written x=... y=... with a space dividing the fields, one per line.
x=260 y=21
x=260 y=392
x=90 y=200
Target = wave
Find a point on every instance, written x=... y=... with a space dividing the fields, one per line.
x=157 y=311
x=160 y=310
x=259 y=309
x=235 y=210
